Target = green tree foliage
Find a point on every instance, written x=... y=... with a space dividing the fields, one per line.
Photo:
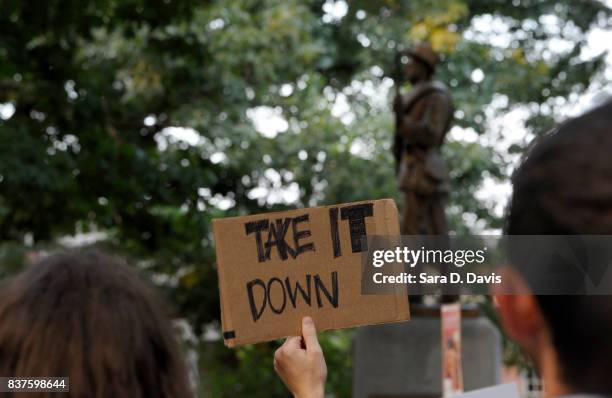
x=99 y=87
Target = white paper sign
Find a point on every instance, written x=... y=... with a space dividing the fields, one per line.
x=508 y=390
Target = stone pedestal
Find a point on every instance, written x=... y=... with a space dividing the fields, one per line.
x=403 y=360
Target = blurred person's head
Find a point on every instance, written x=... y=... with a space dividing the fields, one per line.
x=422 y=61
x=89 y=317
x=564 y=187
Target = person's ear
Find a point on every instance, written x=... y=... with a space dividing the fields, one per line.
x=519 y=311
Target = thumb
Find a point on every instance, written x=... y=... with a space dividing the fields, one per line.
x=309 y=333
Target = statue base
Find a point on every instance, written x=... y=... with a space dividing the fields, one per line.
x=403 y=360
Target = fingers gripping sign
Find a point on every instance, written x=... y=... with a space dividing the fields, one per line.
x=300 y=363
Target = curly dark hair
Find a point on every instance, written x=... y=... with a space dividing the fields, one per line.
x=89 y=317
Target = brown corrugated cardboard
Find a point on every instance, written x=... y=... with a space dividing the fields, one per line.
x=276 y=268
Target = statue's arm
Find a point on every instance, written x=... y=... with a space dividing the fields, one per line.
x=429 y=129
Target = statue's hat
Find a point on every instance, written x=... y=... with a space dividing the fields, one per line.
x=424 y=53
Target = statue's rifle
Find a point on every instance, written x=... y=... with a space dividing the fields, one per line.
x=398 y=79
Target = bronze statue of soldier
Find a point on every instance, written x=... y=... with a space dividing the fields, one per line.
x=423 y=117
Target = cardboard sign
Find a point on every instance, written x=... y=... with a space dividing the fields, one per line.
x=508 y=390
x=276 y=268
x=452 y=371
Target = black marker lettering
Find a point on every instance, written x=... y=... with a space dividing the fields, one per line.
x=276 y=237
x=257 y=227
x=356 y=217
x=285 y=248
x=261 y=295
x=320 y=287
x=256 y=313
x=335 y=235
x=297 y=235
x=282 y=307
x=293 y=292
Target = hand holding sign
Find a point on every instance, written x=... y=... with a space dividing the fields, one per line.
x=300 y=364
x=276 y=268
